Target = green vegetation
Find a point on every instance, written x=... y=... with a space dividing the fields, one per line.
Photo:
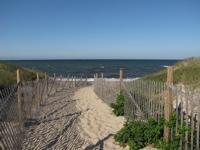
x=186 y=72
x=118 y=108
x=139 y=134
x=8 y=74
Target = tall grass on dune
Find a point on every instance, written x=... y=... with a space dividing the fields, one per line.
x=8 y=74
x=186 y=72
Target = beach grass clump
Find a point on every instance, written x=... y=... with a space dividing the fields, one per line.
x=186 y=72
x=118 y=108
x=8 y=74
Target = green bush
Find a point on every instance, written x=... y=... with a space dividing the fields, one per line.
x=118 y=108
x=139 y=134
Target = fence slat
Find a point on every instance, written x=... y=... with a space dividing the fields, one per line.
x=186 y=119
x=198 y=124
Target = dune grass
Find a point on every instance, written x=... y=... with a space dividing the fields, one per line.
x=8 y=74
x=186 y=72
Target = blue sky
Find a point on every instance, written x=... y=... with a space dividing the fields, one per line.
x=82 y=29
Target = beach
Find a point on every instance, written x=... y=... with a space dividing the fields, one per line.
x=99 y=75
x=74 y=112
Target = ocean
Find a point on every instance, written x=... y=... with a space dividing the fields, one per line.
x=110 y=68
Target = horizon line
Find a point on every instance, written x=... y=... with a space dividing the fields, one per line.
x=90 y=59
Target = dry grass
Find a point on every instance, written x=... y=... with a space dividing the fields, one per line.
x=186 y=72
x=8 y=73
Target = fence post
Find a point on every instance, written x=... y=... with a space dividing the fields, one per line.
x=46 y=80
x=71 y=81
x=121 y=75
x=55 y=83
x=81 y=78
x=68 y=85
x=102 y=85
x=61 y=78
x=19 y=100
x=37 y=77
x=85 y=80
x=38 y=89
x=168 y=106
x=102 y=75
x=94 y=78
x=74 y=81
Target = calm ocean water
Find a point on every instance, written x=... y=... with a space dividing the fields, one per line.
x=110 y=68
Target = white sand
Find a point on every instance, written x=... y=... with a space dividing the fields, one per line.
x=98 y=122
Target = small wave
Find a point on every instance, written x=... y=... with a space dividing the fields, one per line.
x=107 y=79
x=165 y=66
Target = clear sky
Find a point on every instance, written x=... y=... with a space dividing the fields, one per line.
x=74 y=29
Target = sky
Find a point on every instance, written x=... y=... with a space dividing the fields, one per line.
x=99 y=29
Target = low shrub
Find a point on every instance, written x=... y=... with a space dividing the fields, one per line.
x=139 y=134
x=118 y=108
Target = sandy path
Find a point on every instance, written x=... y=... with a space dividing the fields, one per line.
x=67 y=121
x=56 y=128
x=98 y=124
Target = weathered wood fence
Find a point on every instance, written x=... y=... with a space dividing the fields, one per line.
x=20 y=103
x=152 y=99
x=107 y=90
